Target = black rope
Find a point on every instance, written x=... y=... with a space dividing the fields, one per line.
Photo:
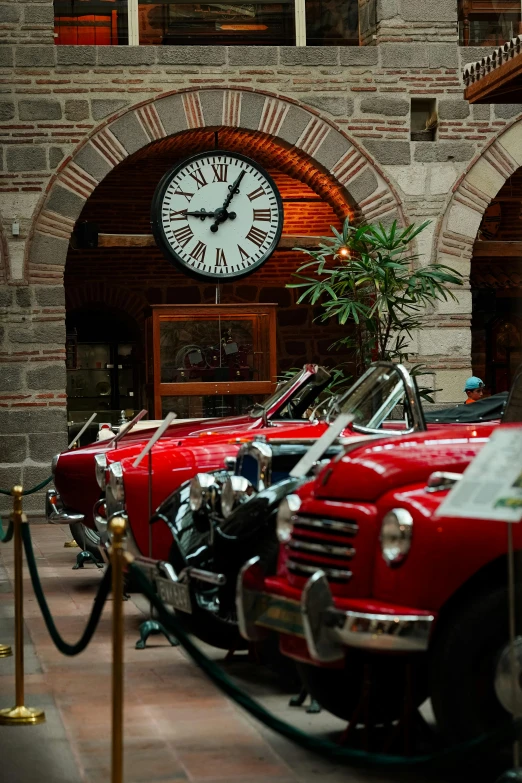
x=504 y=733
x=99 y=602
x=6 y=536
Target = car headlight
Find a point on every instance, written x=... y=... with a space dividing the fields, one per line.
x=236 y=490
x=54 y=463
x=200 y=489
x=396 y=533
x=287 y=508
x=100 y=466
x=116 y=482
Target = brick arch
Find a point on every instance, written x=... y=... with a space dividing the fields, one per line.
x=118 y=298
x=472 y=194
x=289 y=123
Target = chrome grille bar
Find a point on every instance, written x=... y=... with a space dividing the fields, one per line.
x=335 y=574
x=327 y=525
x=327 y=549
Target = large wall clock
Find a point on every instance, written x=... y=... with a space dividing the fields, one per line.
x=217 y=215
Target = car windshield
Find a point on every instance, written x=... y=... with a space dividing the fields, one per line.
x=303 y=397
x=379 y=399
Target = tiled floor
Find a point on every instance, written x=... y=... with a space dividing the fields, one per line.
x=178 y=726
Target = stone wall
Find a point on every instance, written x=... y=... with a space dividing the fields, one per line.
x=54 y=98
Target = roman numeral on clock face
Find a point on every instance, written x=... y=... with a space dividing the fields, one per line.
x=262 y=214
x=199 y=251
x=183 y=235
x=244 y=255
x=256 y=236
x=199 y=177
x=180 y=215
x=220 y=172
x=256 y=194
x=220 y=257
x=180 y=192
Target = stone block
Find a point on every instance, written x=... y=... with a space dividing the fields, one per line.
x=212 y=106
x=76 y=110
x=6 y=56
x=7 y=110
x=31 y=477
x=43 y=447
x=451 y=383
x=127 y=55
x=27 y=56
x=251 y=109
x=480 y=112
x=23 y=296
x=129 y=132
x=332 y=149
x=402 y=55
x=172 y=113
x=443 y=55
x=17 y=421
x=428 y=11
x=442 y=151
x=453 y=109
x=309 y=55
x=446 y=342
x=293 y=124
x=472 y=54
x=46 y=249
x=9 y=14
x=28 y=158
x=359 y=55
x=511 y=140
x=11 y=377
x=505 y=111
x=463 y=220
x=39 y=14
x=41 y=109
x=6 y=296
x=42 y=333
x=336 y=105
x=13 y=448
x=412 y=179
x=363 y=185
x=442 y=178
x=10 y=477
x=192 y=55
x=65 y=202
x=51 y=377
x=389 y=153
x=90 y=160
x=56 y=155
x=486 y=178
x=253 y=56
x=462 y=306
x=390 y=107
x=102 y=107
x=76 y=55
x=50 y=295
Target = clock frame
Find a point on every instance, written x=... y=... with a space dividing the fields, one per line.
x=249 y=232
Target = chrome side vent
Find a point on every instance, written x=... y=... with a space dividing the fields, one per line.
x=441 y=480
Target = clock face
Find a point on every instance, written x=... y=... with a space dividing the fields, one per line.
x=217 y=215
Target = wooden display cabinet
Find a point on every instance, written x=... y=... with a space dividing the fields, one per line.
x=207 y=361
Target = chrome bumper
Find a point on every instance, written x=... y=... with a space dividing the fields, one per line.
x=326 y=629
x=56 y=514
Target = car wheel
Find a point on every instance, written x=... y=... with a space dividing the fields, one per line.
x=86 y=538
x=466 y=653
x=373 y=685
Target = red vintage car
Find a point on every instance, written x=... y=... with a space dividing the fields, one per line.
x=75 y=471
x=383 y=604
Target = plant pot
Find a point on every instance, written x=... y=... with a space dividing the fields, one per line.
x=423 y=135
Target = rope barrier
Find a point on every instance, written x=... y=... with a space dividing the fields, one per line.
x=29 y=491
x=6 y=536
x=504 y=733
x=99 y=602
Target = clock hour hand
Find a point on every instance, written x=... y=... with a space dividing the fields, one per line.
x=201 y=213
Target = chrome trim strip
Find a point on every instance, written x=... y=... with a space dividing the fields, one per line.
x=55 y=512
x=328 y=525
x=339 y=551
x=333 y=573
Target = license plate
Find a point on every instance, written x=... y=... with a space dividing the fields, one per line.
x=279 y=614
x=174 y=593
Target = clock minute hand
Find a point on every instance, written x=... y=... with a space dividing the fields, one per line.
x=233 y=189
x=221 y=214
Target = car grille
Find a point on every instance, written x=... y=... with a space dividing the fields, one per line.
x=324 y=544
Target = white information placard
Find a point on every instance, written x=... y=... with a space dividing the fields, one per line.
x=491 y=486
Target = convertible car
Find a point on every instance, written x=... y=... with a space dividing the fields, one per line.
x=77 y=491
x=381 y=602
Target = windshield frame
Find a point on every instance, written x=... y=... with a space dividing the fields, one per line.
x=310 y=375
x=410 y=390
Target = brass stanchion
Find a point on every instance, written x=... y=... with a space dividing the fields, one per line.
x=19 y=715
x=71 y=544
x=5 y=650
x=117 y=529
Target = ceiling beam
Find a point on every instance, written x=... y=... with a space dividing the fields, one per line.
x=497 y=249
x=288 y=241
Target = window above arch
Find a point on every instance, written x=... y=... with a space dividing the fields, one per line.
x=234 y=22
x=488 y=22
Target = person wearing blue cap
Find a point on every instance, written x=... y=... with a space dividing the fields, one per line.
x=474 y=389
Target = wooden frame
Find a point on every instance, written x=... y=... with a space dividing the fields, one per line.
x=264 y=347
